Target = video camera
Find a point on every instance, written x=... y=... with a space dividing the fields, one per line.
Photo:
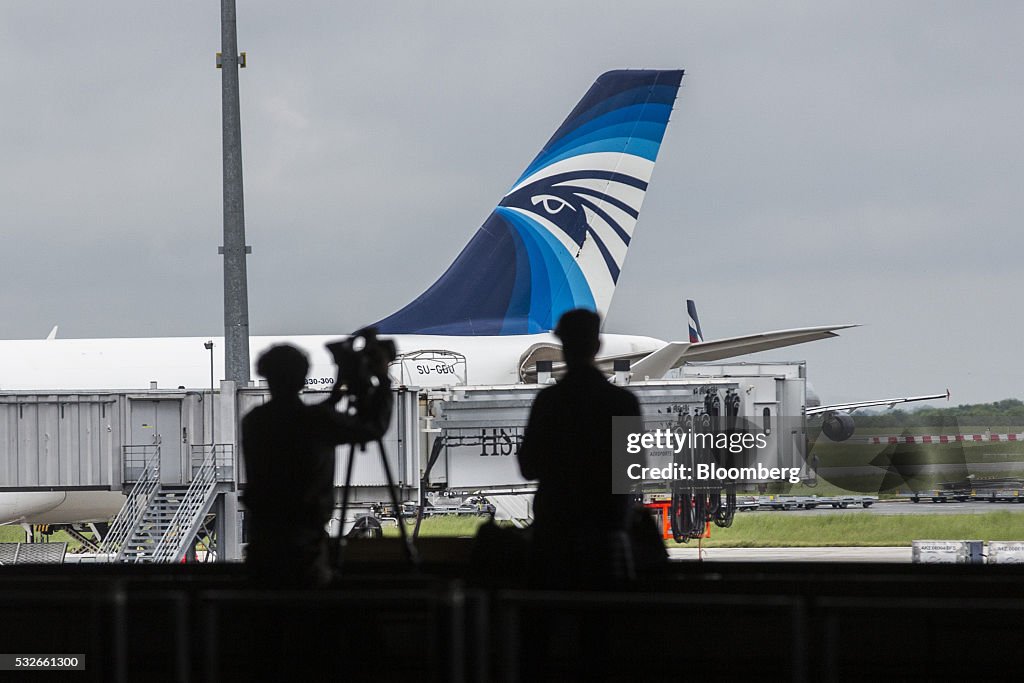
x=362 y=362
x=361 y=359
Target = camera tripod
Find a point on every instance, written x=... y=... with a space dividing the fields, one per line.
x=408 y=548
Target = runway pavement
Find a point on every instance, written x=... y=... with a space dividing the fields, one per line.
x=900 y=507
x=689 y=553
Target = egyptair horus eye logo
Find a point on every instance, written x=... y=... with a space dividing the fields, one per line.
x=595 y=206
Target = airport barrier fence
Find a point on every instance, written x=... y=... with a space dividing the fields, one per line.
x=787 y=622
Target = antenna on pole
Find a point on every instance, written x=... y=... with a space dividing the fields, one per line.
x=236 y=291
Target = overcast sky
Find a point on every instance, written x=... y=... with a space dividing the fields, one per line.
x=826 y=162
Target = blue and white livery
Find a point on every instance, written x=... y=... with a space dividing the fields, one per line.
x=696 y=335
x=558 y=238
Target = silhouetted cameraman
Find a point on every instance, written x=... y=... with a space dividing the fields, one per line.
x=289 y=452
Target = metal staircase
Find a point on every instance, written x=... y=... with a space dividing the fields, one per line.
x=160 y=521
x=141 y=464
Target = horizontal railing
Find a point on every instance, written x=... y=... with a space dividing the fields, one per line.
x=223 y=459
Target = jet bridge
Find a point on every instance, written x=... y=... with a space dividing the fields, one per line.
x=171 y=458
x=81 y=456
x=97 y=441
x=168 y=459
x=478 y=430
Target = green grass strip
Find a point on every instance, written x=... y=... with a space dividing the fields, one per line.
x=794 y=529
x=777 y=529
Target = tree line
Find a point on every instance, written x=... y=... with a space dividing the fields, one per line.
x=1008 y=412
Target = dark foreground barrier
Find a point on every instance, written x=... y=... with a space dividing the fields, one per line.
x=624 y=636
x=801 y=622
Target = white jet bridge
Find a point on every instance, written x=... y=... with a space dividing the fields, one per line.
x=172 y=458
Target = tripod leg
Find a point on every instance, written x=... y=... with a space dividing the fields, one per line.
x=339 y=542
x=435 y=453
x=410 y=550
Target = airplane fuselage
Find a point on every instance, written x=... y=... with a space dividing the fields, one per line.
x=133 y=363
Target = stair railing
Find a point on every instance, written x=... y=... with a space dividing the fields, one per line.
x=204 y=480
x=139 y=497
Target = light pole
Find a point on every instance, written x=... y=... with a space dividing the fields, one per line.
x=236 y=293
x=209 y=347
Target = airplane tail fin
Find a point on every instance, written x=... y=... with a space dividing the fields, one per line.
x=695 y=333
x=558 y=238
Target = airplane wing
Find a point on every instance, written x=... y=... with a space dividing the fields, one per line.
x=890 y=402
x=674 y=354
x=730 y=347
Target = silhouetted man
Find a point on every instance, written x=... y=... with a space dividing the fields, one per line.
x=579 y=524
x=289 y=461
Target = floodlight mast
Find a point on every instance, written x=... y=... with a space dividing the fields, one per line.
x=236 y=294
